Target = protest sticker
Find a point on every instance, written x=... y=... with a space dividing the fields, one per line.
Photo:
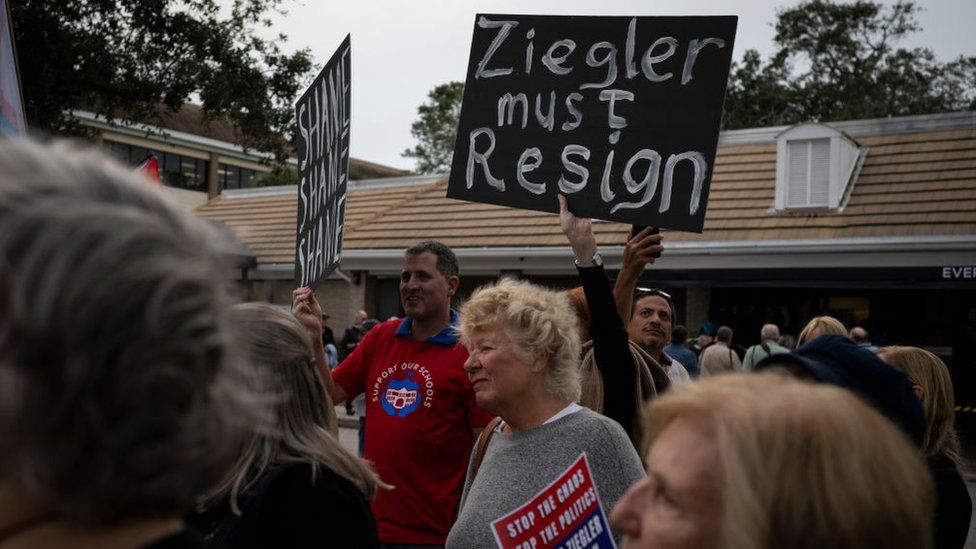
x=323 y=169
x=620 y=114
x=566 y=514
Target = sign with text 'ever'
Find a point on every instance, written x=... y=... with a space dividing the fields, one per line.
x=621 y=114
x=323 y=167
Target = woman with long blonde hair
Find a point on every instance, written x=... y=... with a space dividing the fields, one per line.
x=933 y=385
x=294 y=485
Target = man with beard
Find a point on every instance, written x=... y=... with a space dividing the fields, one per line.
x=650 y=328
x=420 y=407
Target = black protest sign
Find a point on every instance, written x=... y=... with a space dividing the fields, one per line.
x=621 y=114
x=323 y=166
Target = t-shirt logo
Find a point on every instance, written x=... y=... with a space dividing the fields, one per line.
x=401 y=397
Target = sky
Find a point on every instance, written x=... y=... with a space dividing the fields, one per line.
x=401 y=49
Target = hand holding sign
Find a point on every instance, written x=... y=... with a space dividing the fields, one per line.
x=578 y=231
x=620 y=114
x=305 y=307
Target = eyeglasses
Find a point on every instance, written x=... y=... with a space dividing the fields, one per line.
x=644 y=292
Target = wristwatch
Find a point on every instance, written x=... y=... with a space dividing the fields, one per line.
x=596 y=261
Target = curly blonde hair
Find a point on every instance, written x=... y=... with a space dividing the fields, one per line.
x=540 y=322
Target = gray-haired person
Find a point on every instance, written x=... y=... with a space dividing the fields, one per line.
x=768 y=345
x=115 y=380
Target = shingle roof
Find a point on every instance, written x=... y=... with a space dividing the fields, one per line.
x=921 y=183
x=189 y=118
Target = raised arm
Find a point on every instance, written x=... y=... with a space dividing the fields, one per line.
x=638 y=253
x=307 y=310
x=611 y=351
x=578 y=231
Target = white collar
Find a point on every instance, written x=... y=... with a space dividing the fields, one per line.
x=572 y=408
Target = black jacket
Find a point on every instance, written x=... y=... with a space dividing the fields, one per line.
x=285 y=509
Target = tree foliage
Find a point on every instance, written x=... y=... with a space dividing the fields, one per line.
x=127 y=59
x=841 y=62
x=436 y=128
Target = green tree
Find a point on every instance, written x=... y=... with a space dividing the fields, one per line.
x=280 y=174
x=436 y=128
x=127 y=59
x=840 y=62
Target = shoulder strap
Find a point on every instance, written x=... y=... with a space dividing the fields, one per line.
x=765 y=347
x=479 y=453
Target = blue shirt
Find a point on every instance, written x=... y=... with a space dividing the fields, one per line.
x=447 y=336
x=683 y=355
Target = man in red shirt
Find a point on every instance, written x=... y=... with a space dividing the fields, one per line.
x=420 y=407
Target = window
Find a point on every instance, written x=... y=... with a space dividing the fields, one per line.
x=176 y=170
x=808 y=178
x=236 y=177
x=815 y=167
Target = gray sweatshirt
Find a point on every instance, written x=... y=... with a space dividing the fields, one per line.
x=517 y=466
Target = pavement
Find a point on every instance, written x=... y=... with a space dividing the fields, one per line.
x=348 y=429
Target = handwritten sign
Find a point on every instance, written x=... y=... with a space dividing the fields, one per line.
x=323 y=166
x=621 y=114
x=566 y=514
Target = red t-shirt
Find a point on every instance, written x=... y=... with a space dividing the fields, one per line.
x=420 y=410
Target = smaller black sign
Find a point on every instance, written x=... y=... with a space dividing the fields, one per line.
x=621 y=114
x=323 y=167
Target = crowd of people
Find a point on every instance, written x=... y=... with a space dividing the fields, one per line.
x=141 y=405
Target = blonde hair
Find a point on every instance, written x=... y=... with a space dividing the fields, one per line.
x=804 y=465
x=540 y=322
x=303 y=420
x=929 y=372
x=825 y=324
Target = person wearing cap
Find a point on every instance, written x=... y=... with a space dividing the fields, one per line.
x=837 y=360
x=705 y=338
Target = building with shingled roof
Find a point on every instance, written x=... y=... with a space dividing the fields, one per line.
x=871 y=221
